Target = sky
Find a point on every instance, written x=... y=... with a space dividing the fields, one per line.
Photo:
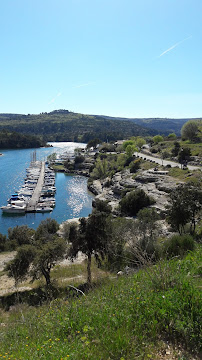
x=127 y=58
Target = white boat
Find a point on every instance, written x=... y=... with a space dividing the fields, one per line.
x=44 y=209
x=13 y=209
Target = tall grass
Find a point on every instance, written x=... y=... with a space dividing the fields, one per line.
x=123 y=319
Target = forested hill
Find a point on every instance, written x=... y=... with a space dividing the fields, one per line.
x=13 y=140
x=63 y=125
x=163 y=126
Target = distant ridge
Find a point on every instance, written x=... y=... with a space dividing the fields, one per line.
x=162 y=125
x=65 y=125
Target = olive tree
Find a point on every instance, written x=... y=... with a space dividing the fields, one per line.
x=38 y=258
x=185 y=205
x=91 y=237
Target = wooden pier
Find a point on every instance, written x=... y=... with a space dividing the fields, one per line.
x=31 y=207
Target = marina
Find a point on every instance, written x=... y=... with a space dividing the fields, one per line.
x=37 y=193
x=72 y=198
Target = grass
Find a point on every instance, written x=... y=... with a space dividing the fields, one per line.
x=125 y=318
x=196 y=148
x=58 y=167
x=146 y=165
x=185 y=175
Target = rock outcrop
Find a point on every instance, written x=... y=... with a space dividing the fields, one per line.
x=156 y=184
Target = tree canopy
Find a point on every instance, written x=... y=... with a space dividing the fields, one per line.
x=190 y=130
x=185 y=205
x=38 y=258
x=134 y=201
x=91 y=237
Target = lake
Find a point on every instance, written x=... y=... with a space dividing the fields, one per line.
x=72 y=197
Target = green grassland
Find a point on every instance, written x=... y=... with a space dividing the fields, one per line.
x=133 y=317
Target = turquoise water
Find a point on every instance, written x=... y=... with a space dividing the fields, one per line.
x=72 y=197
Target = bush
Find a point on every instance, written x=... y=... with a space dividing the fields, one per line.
x=135 y=165
x=178 y=245
x=135 y=201
x=79 y=159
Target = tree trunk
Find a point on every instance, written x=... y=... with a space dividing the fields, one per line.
x=89 y=279
x=46 y=274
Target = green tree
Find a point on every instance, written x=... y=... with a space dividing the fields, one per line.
x=139 y=142
x=135 y=165
x=176 y=149
x=134 y=201
x=2 y=242
x=184 y=154
x=19 y=235
x=172 y=136
x=157 y=138
x=128 y=142
x=190 y=130
x=91 y=238
x=185 y=205
x=38 y=258
x=93 y=143
x=130 y=149
x=100 y=169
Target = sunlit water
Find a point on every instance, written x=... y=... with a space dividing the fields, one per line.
x=72 y=197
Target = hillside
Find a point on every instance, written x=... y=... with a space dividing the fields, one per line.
x=161 y=125
x=63 y=125
x=14 y=140
x=151 y=314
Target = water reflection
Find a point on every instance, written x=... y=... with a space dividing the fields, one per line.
x=78 y=197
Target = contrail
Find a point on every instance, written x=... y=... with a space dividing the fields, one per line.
x=175 y=45
x=81 y=85
x=53 y=100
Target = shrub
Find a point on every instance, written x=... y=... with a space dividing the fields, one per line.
x=79 y=159
x=135 y=165
x=178 y=245
x=157 y=139
x=134 y=201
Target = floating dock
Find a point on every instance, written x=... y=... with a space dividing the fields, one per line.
x=32 y=204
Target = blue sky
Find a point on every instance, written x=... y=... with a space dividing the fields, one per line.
x=130 y=58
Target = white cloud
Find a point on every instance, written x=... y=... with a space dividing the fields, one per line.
x=174 y=46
